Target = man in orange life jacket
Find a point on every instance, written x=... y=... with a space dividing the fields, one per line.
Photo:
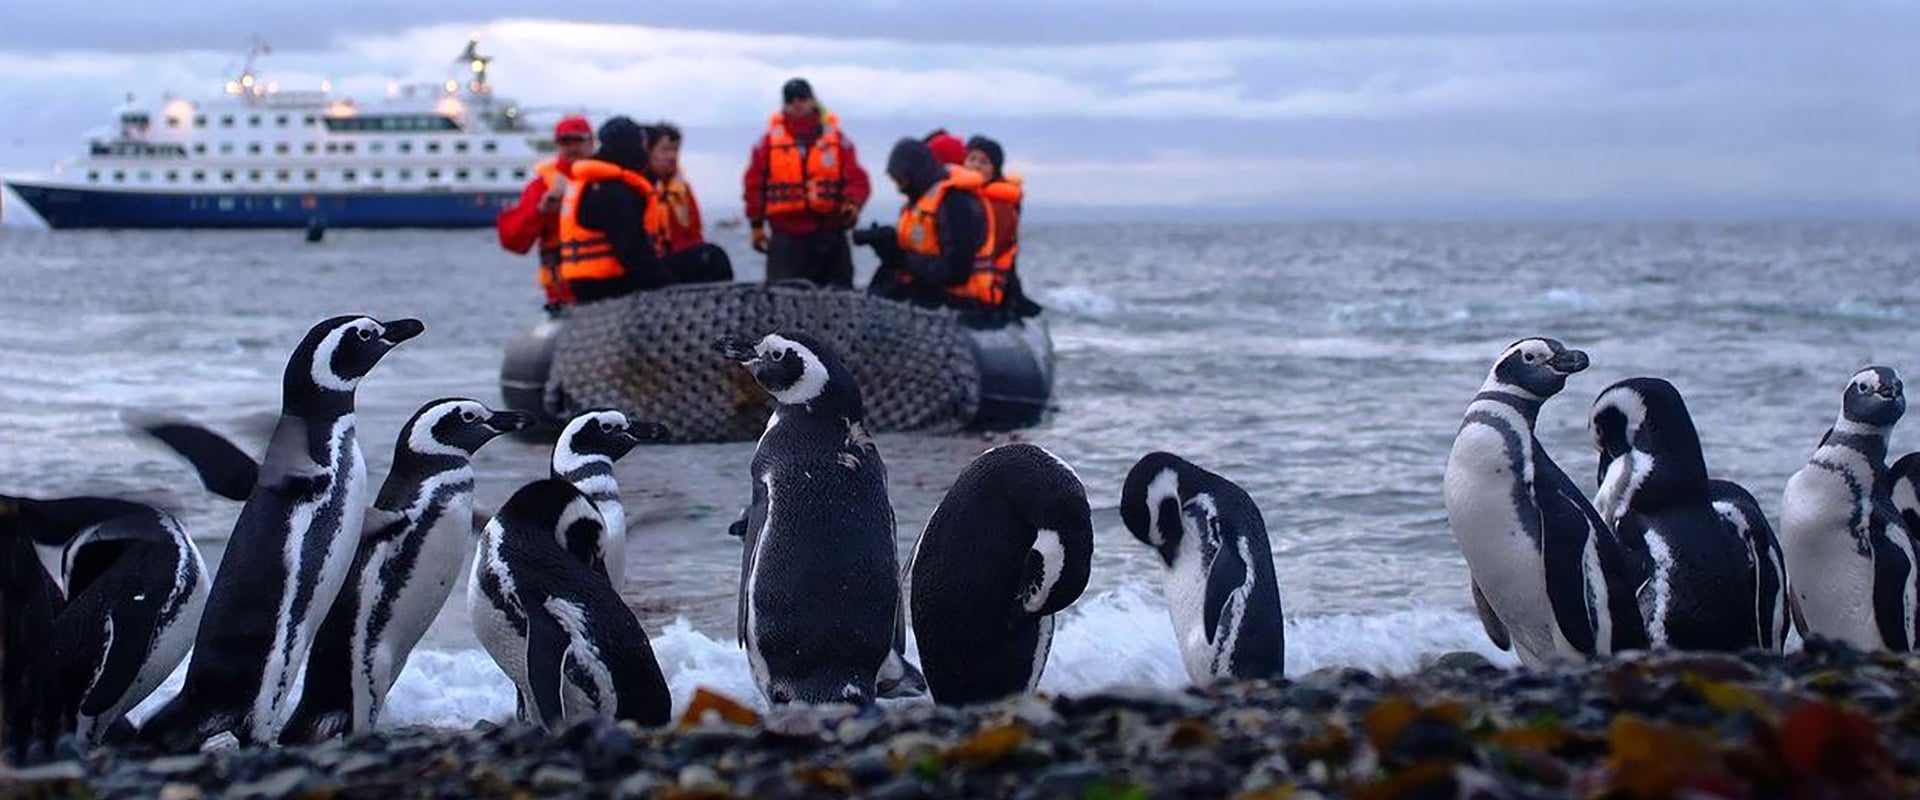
x=682 y=230
x=943 y=235
x=805 y=182
x=610 y=221
x=535 y=218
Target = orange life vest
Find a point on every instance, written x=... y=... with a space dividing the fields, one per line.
x=585 y=253
x=680 y=215
x=818 y=185
x=549 y=171
x=919 y=233
x=1003 y=198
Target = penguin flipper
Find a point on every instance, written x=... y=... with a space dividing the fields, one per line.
x=1904 y=477
x=288 y=467
x=1892 y=577
x=224 y=468
x=546 y=661
x=754 y=520
x=1496 y=630
x=1227 y=580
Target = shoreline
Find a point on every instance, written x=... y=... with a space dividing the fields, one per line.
x=1825 y=722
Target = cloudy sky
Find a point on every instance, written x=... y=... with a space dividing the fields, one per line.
x=1489 y=109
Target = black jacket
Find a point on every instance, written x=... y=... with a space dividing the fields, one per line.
x=619 y=212
x=961 y=219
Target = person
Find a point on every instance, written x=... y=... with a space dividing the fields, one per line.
x=535 y=217
x=805 y=183
x=609 y=217
x=944 y=235
x=946 y=147
x=1004 y=194
x=680 y=225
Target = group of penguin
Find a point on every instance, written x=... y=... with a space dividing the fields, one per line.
x=1663 y=556
x=326 y=586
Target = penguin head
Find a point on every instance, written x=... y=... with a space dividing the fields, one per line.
x=601 y=435
x=1151 y=500
x=457 y=426
x=1641 y=426
x=340 y=351
x=798 y=370
x=1875 y=398
x=1537 y=367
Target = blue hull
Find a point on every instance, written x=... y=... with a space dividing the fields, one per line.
x=66 y=207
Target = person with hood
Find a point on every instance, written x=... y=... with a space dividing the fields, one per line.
x=535 y=218
x=944 y=235
x=609 y=219
x=804 y=182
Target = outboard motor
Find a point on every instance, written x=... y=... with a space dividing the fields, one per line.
x=524 y=372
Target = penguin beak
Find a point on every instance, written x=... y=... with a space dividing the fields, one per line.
x=1567 y=362
x=510 y=421
x=643 y=432
x=736 y=348
x=400 y=330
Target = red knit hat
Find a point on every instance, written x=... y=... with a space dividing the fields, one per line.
x=947 y=148
x=575 y=125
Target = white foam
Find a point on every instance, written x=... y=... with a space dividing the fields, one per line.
x=1080 y=301
x=1117 y=638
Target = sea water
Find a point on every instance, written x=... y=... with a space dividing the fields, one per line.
x=1322 y=367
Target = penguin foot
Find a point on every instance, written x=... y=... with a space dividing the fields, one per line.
x=900 y=679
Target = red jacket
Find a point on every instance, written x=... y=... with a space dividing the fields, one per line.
x=521 y=226
x=684 y=228
x=856 y=191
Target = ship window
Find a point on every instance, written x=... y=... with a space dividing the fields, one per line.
x=173 y=122
x=493 y=174
x=99 y=149
x=459 y=174
x=309 y=148
x=253 y=175
x=377 y=174
x=309 y=119
x=519 y=174
x=376 y=147
x=173 y=176
x=226 y=120
x=347 y=148
x=282 y=175
x=312 y=176
x=93 y=175
x=348 y=175
x=333 y=147
x=200 y=149
x=459 y=147
x=253 y=120
x=226 y=147
x=226 y=176
x=432 y=174
x=279 y=148
x=145 y=176
x=280 y=121
x=253 y=148
x=406 y=174
x=199 y=120
x=119 y=175
x=406 y=147
x=433 y=147
x=489 y=146
x=199 y=176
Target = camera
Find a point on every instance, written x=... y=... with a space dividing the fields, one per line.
x=874 y=235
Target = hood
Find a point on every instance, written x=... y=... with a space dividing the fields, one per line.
x=623 y=142
x=994 y=152
x=913 y=165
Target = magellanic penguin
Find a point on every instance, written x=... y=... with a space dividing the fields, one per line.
x=290 y=548
x=820 y=602
x=1221 y=588
x=553 y=624
x=1850 y=557
x=128 y=591
x=583 y=455
x=1010 y=546
x=1547 y=574
x=1712 y=569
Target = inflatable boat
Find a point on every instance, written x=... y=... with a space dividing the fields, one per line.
x=651 y=355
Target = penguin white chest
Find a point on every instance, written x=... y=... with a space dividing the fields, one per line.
x=1186 y=603
x=1486 y=483
x=491 y=624
x=1829 y=577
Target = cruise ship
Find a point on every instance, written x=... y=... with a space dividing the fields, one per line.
x=442 y=155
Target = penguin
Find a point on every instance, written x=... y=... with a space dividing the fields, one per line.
x=820 y=602
x=1009 y=547
x=1705 y=567
x=1547 y=574
x=411 y=546
x=552 y=623
x=290 y=548
x=583 y=455
x=1221 y=588
x=1741 y=512
x=1850 y=557
x=124 y=600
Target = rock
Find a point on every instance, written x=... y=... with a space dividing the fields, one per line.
x=1067 y=780
x=359 y=763
x=1155 y=703
x=283 y=783
x=904 y=788
x=181 y=791
x=171 y=766
x=869 y=767
x=637 y=785
x=1463 y=661
x=549 y=779
x=699 y=776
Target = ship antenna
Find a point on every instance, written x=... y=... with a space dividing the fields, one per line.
x=477 y=64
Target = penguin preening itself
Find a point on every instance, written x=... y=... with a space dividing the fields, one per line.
x=290 y=548
x=1850 y=555
x=553 y=623
x=121 y=605
x=1548 y=575
x=820 y=601
x=1711 y=571
x=1010 y=546
x=1221 y=588
x=583 y=455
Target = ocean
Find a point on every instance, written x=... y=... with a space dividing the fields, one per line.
x=1322 y=367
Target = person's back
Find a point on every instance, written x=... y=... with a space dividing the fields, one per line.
x=944 y=232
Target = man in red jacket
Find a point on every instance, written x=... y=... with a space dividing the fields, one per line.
x=805 y=183
x=535 y=219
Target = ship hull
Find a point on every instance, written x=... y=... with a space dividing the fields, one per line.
x=64 y=208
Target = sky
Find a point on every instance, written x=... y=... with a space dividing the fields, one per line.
x=1323 y=109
